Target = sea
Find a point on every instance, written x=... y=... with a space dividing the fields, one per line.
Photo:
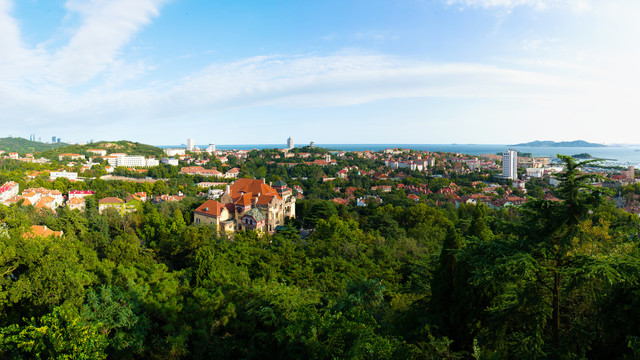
x=628 y=155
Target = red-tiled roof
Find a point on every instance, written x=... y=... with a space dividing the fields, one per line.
x=210 y=208
x=252 y=186
x=43 y=231
x=111 y=200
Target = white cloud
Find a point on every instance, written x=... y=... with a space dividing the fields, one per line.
x=576 y=5
x=106 y=26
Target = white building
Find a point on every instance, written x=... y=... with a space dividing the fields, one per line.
x=510 y=164
x=63 y=174
x=99 y=152
x=535 y=172
x=211 y=149
x=125 y=160
x=8 y=190
x=290 y=143
x=190 y=144
x=174 y=152
x=169 y=161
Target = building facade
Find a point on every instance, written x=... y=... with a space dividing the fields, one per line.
x=248 y=204
x=510 y=164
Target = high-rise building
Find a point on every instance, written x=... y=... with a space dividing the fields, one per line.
x=290 y=143
x=312 y=145
x=211 y=148
x=629 y=173
x=510 y=164
x=190 y=144
x=53 y=139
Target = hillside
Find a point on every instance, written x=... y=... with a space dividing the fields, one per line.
x=576 y=143
x=23 y=146
x=122 y=146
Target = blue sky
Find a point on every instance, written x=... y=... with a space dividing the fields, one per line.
x=331 y=71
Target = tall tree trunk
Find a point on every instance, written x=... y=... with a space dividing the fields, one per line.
x=555 y=319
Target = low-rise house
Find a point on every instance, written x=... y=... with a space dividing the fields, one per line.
x=8 y=190
x=211 y=212
x=63 y=174
x=199 y=170
x=232 y=173
x=162 y=198
x=80 y=193
x=240 y=198
x=71 y=156
x=41 y=231
x=170 y=161
x=99 y=152
x=131 y=205
x=76 y=203
x=142 y=196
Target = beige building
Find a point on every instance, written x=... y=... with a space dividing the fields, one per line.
x=248 y=204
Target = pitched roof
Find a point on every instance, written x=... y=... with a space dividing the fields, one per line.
x=210 y=208
x=266 y=199
x=256 y=214
x=244 y=200
x=75 y=201
x=111 y=200
x=252 y=186
x=43 y=231
x=279 y=183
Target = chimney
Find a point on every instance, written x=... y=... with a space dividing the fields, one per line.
x=228 y=189
x=263 y=180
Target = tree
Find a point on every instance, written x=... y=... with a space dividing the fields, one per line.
x=540 y=275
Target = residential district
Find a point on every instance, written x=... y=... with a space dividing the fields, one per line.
x=117 y=249
x=232 y=193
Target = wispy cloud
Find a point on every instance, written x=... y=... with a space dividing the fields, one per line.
x=105 y=28
x=300 y=81
x=577 y=5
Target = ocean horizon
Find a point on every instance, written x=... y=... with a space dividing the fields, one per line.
x=614 y=155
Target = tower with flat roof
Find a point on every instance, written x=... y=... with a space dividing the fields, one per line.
x=510 y=164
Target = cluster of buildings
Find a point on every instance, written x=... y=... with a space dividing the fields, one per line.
x=38 y=197
x=199 y=170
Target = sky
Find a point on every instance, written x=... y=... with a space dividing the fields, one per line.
x=330 y=71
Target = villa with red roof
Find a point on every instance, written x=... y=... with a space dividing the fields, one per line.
x=248 y=204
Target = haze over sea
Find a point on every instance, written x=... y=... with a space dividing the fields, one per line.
x=615 y=155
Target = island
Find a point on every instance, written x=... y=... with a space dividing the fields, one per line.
x=576 y=143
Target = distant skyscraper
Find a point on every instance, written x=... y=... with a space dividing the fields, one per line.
x=312 y=144
x=290 y=143
x=53 y=139
x=190 y=144
x=57 y=139
x=211 y=148
x=510 y=164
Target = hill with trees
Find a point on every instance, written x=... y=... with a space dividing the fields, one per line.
x=24 y=146
x=122 y=146
x=576 y=143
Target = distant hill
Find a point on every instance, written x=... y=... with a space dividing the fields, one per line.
x=24 y=146
x=576 y=143
x=122 y=146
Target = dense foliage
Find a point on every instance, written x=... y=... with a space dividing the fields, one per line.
x=24 y=146
x=549 y=280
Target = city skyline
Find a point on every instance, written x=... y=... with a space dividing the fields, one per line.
x=405 y=72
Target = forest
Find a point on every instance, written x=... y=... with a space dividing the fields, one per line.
x=404 y=280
